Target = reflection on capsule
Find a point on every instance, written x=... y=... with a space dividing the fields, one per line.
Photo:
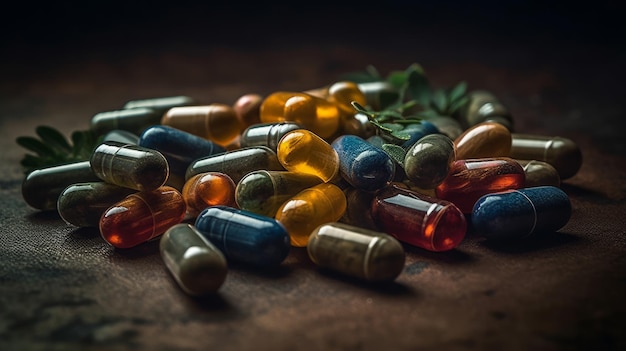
x=266 y=134
x=244 y=236
x=482 y=140
x=208 y=189
x=539 y=173
x=428 y=161
x=216 y=122
x=82 y=204
x=129 y=165
x=304 y=151
x=197 y=265
x=134 y=120
x=562 y=153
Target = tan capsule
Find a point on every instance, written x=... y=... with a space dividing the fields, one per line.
x=248 y=109
x=539 y=173
x=358 y=252
x=562 y=153
x=216 y=122
x=484 y=140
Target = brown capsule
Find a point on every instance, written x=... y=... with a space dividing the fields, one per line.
x=539 y=173
x=486 y=139
x=216 y=122
x=484 y=106
x=562 y=153
x=248 y=109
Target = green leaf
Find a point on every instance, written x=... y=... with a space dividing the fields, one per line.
x=36 y=146
x=394 y=127
x=457 y=92
x=54 y=139
x=400 y=135
x=397 y=79
x=439 y=101
x=396 y=152
x=456 y=105
x=419 y=87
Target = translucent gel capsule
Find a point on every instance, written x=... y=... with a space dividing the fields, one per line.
x=142 y=216
x=244 y=236
x=133 y=120
x=310 y=111
x=485 y=139
x=161 y=104
x=362 y=253
x=482 y=107
x=236 y=163
x=248 y=110
x=266 y=134
x=216 y=122
x=208 y=189
x=428 y=161
x=82 y=204
x=516 y=214
x=303 y=151
x=562 y=153
x=311 y=207
x=343 y=93
x=358 y=208
x=379 y=95
x=263 y=192
x=417 y=131
x=470 y=179
x=363 y=165
x=129 y=165
x=41 y=188
x=539 y=173
x=419 y=220
x=197 y=265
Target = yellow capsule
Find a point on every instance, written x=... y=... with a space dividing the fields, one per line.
x=303 y=151
x=483 y=140
x=343 y=93
x=216 y=122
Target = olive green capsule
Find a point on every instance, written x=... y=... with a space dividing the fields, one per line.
x=562 y=153
x=539 y=173
x=447 y=126
x=358 y=252
x=82 y=204
x=197 y=265
x=484 y=106
x=266 y=134
x=161 y=104
x=358 y=210
x=427 y=162
x=121 y=136
x=134 y=120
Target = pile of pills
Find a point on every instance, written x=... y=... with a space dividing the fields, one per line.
x=246 y=182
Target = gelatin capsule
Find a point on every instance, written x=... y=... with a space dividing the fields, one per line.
x=82 y=204
x=483 y=106
x=129 y=165
x=311 y=207
x=359 y=125
x=343 y=93
x=539 y=173
x=142 y=216
x=266 y=134
x=244 y=236
x=248 y=110
x=263 y=192
x=562 y=153
x=41 y=188
x=134 y=120
x=447 y=125
x=519 y=213
x=358 y=208
x=379 y=95
x=419 y=220
x=197 y=265
x=470 y=179
x=216 y=122
x=236 y=163
x=485 y=139
x=363 y=165
x=362 y=253
x=304 y=151
x=161 y=104
x=427 y=163
x=417 y=131
x=121 y=136
x=208 y=189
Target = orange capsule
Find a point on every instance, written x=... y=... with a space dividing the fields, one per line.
x=486 y=139
x=216 y=122
x=208 y=189
x=303 y=151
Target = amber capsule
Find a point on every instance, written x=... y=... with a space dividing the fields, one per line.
x=208 y=189
x=362 y=253
x=216 y=122
x=263 y=192
x=539 y=173
x=485 y=139
x=82 y=204
x=129 y=165
x=161 y=104
x=311 y=207
x=562 y=153
x=142 y=216
x=248 y=109
x=304 y=151
x=236 y=163
x=134 y=120
x=266 y=134
x=428 y=161
x=343 y=93
x=470 y=179
x=197 y=265
x=419 y=220
x=484 y=106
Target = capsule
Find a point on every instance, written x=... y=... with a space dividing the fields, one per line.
x=363 y=165
x=358 y=208
x=419 y=220
x=208 y=189
x=266 y=134
x=263 y=192
x=357 y=252
x=216 y=122
x=161 y=104
x=359 y=125
x=129 y=165
x=244 y=236
x=310 y=111
x=121 y=136
x=379 y=95
x=311 y=207
x=417 y=131
x=470 y=179
x=82 y=204
x=304 y=151
x=519 y=213
x=562 y=153
x=248 y=109
x=428 y=161
x=486 y=139
x=483 y=106
x=236 y=163
x=142 y=216
x=197 y=265
x=134 y=120
x=538 y=173
x=447 y=125
x=41 y=188
x=343 y=93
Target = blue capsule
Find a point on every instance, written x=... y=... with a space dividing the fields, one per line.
x=363 y=165
x=516 y=214
x=244 y=236
x=417 y=131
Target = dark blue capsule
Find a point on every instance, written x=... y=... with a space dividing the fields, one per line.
x=417 y=131
x=516 y=214
x=244 y=236
x=363 y=165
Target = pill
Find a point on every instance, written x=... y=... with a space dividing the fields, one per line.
x=447 y=125
x=379 y=94
x=483 y=106
x=485 y=139
x=161 y=104
x=343 y=93
x=562 y=153
x=427 y=163
x=121 y=136
x=216 y=122
x=304 y=151
x=359 y=125
x=358 y=208
x=266 y=134
x=539 y=173
x=248 y=109
x=208 y=189
x=134 y=120
x=416 y=131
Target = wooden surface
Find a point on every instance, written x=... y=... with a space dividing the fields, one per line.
x=559 y=71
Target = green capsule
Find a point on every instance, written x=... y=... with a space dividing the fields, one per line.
x=539 y=173
x=160 y=104
x=134 y=120
x=428 y=161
